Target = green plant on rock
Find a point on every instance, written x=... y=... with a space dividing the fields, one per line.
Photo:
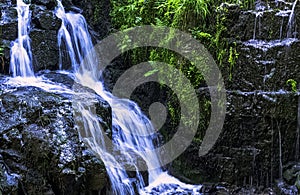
x=293 y=84
x=233 y=56
x=97 y=13
x=205 y=20
x=218 y=42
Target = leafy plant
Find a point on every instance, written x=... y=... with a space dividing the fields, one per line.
x=293 y=83
x=233 y=56
x=206 y=20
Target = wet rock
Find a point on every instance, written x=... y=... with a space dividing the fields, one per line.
x=45 y=19
x=247 y=150
x=8 y=181
x=291 y=173
x=44 y=38
x=40 y=150
x=285 y=189
x=45 y=51
x=269 y=70
x=8 y=14
x=9 y=31
x=268 y=21
x=97 y=16
x=50 y=4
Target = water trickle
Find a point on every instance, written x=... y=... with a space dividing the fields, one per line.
x=291 y=23
x=258 y=16
x=21 y=57
x=280 y=153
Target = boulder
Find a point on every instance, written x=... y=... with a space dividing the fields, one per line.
x=40 y=149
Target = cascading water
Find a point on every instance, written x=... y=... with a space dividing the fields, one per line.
x=282 y=41
x=126 y=116
x=286 y=12
x=74 y=33
x=129 y=146
x=20 y=64
x=127 y=119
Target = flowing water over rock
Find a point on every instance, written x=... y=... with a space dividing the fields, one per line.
x=259 y=141
x=291 y=31
x=132 y=134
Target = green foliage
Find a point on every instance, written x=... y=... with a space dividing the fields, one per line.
x=176 y=13
x=246 y=4
x=97 y=13
x=233 y=56
x=205 y=20
x=293 y=84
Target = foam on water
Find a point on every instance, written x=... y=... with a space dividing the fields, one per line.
x=39 y=82
x=266 y=45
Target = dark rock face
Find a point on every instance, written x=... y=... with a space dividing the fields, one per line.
x=44 y=49
x=261 y=109
x=44 y=19
x=50 y=4
x=97 y=16
x=40 y=151
x=248 y=148
x=271 y=23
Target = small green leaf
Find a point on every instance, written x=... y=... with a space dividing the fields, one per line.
x=293 y=83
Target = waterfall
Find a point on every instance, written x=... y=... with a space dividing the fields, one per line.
x=78 y=43
x=132 y=137
x=132 y=132
x=20 y=63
